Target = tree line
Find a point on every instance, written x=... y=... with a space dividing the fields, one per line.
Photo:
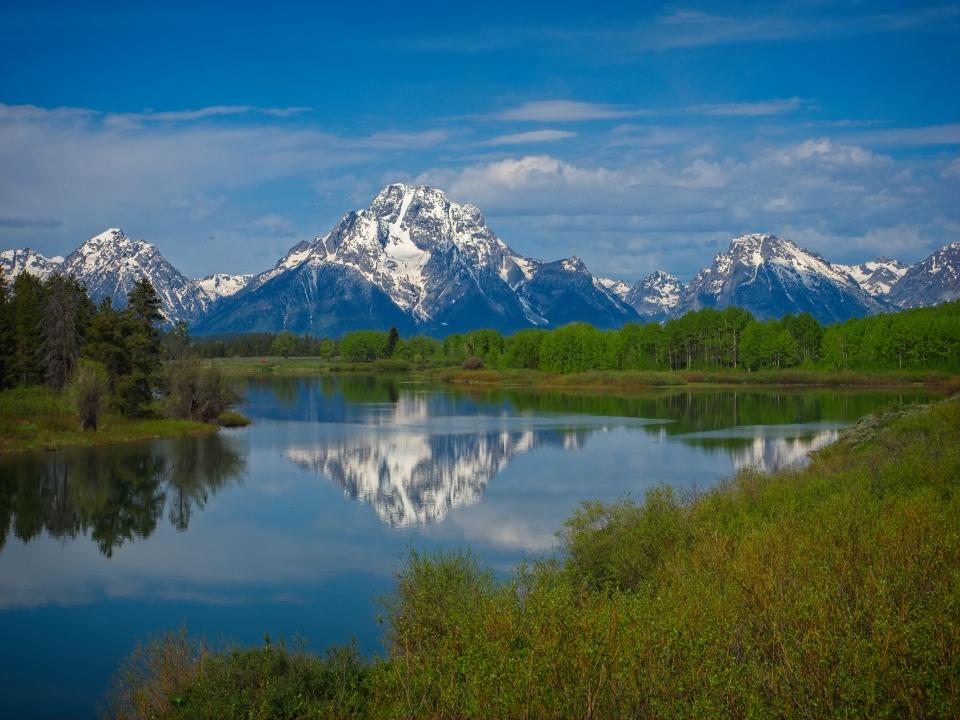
x=52 y=334
x=709 y=339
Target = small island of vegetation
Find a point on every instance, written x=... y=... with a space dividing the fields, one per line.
x=76 y=373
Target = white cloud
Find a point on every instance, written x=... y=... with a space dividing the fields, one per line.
x=914 y=136
x=952 y=170
x=762 y=107
x=534 y=136
x=563 y=111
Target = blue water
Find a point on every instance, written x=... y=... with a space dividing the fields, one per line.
x=293 y=526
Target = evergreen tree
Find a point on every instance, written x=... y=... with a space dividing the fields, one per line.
x=62 y=330
x=28 y=329
x=105 y=342
x=7 y=335
x=134 y=390
x=393 y=337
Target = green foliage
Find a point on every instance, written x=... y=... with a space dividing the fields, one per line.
x=28 y=302
x=364 y=346
x=830 y=591
x=7 y=338
x=393 y=337
x=198 y=392
x=88 y=390
x=522 y=349
x=175 y=677
x=284 y=344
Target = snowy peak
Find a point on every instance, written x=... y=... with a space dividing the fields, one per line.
x=934 y=280
x=772 y=276
x=14 y=262
x=221 y=285
x=110 y=264
x=657 y=296
x=876 y=277
x=617 y=287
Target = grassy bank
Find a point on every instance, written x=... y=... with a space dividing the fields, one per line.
x=34 y=418
x=594 y=379
x=829 y=591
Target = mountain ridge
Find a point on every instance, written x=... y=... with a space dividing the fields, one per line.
x=416 y=260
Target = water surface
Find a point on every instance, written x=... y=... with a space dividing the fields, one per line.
x=294 y=525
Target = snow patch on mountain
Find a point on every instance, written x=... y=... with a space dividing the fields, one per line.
x=772 y=277
x=109 y=264
x=13 y=262
x=876 y=277
x=656 y=297
x=617 y=287
x=933 y=280
x=221 y=285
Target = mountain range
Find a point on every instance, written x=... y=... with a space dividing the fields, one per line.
x=415 y=260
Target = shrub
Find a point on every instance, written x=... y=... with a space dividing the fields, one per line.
x=473 y=363
x=88 y=391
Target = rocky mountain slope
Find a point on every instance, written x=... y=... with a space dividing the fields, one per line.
x=418 y=261
x=876 y=277
x=14 y=262
x=109 y=264
x=772 y=277
x=931 y=281
x=656 y=297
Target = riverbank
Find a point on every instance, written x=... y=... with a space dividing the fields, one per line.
x=819 y=592
x=35 y=418
x=246 y=368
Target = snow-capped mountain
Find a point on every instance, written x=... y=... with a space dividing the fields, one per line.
x=415 y=260
x=772 y=277
x=934 y=280
x=656 y=297
x=221 y=285
x=109 y=264
x=617 y=287
x=564 y=291
x=14 y=262
x=418 y=261
x=876 y=277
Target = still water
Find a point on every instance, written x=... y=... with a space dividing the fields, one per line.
x=295 y=525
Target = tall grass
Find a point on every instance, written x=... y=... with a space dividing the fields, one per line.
x=831 y=591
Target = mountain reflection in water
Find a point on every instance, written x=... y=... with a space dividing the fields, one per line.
x=413 y=478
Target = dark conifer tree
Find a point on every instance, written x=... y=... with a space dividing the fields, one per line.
x=62 y=328
x=7 y=344
x=28 y=329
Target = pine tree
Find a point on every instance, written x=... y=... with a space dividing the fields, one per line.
x=7 y=334
x=28 y=329
x=134 y=390
x=105 y=342
x=392 y=339
x=62 y=330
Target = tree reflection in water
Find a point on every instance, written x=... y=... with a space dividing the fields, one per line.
x=117 y=493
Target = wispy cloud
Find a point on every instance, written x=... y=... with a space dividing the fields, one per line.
x=534 y=136
x=928 y=135
x=762 y=107
x=563 y=111
x=22 y=223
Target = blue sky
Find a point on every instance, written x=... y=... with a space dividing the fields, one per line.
x=638 y=136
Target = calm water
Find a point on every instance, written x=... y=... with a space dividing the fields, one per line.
x=294 y=525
